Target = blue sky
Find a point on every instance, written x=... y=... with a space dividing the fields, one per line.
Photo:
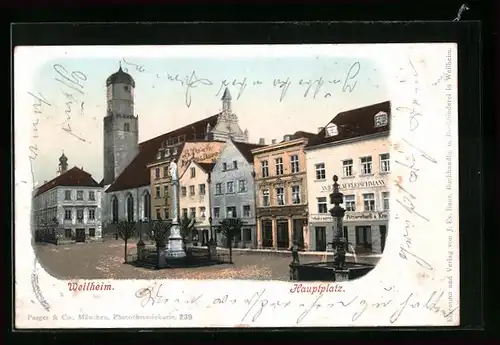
x=161 y=105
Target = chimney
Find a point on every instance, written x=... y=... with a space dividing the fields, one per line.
x=44 y=182
x=262 y=141
x=286 y=137
x=273 y=141
x=320 y=129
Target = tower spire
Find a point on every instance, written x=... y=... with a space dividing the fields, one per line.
x=226 y=101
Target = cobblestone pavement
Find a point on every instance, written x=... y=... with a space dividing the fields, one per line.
x=104 y=260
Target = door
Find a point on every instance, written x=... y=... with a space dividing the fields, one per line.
x=383 y=235
x=363 y=238
x=282 y=234
x=80 y=235
x=320 y=238
x=267 y=234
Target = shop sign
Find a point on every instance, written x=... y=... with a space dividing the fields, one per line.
x=360 y=216
x=354 y=185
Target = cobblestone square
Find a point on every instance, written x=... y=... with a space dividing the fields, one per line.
x=104 y=260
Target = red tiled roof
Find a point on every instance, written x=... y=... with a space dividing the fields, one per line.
x=355 y=123
x=246 y=149
x=137 y=174
x=207 y=167
x=73 y=177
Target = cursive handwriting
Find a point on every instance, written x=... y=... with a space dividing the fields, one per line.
x=72 y=81
x=284 y=85
x=190 y=82
x=430 y=304
x=241 y=85
x=259 y=303
x=39 y=102
x=138 y=68
x=349 y=81
x=152 y=295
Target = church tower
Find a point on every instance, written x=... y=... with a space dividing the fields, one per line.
x=227 y=123
x=63 y=164
x=121 y=126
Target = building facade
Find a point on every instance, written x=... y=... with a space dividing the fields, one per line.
x=232 y=191
x=70 y=205
x=354 y=146
x=183 y=154
x=194 y=199
x=130 y=167
x=281 y=192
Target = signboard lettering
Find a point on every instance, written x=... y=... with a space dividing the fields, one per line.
x=206 y=152
x=355 y=185
x=354 y=216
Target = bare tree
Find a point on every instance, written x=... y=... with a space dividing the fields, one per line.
x=187 y=226
x=126 y=230
x=159 y=231
x=230 y=227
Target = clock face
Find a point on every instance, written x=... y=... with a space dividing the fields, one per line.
x=110 y=91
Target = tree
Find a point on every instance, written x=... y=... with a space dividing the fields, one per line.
x=126 y=230
x=230 y=227
x=187 y=227
x=159 y=231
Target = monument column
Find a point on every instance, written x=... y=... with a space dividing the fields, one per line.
x=175 y=248
x=291 y=232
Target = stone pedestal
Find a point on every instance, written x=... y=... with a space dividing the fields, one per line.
x=294 y=274
x=341 y=275
x=212 y=251
x=140 y=250
x=162 y=259
x=175 y=246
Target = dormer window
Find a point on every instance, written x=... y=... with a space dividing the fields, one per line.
x=158 y=155
x=175 y=151
x=331 y=130
x=381 y=119
x=167 y=152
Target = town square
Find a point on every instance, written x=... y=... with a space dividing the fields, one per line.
x=206 y=200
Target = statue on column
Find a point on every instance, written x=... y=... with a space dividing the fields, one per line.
x=173 y=171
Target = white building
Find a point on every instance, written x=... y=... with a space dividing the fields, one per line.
x=194 y=198
x=354 y=146
x=70 y=204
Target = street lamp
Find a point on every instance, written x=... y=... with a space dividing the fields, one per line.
x=211 y=231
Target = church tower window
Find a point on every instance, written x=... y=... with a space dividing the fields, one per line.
x=126 y=127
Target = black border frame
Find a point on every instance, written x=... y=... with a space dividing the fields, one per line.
x=466 y=34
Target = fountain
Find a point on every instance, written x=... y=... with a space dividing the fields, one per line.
x=175 y=253
x=338 y=269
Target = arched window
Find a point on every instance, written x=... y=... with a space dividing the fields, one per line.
x=126 y=127
x=130 y=208
x=147 y=205
x=114 y=209
x=381 y=119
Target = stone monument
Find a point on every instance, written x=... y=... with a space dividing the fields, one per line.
x=339 y=242
x=175 y=248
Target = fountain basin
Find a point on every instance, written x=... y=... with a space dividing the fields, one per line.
x=325 y=271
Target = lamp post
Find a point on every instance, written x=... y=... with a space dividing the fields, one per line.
x=337 y=212
x=211 y=233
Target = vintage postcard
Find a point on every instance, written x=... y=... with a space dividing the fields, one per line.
x=236 y=186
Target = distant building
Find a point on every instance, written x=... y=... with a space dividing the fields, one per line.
x=69 y=204
x=281 y=192
x=355 y=146
x=129 y=165
x=195 y=199
x=232 y=190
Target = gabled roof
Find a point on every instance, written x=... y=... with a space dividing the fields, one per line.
x=355 y=123
x=206 y=167
x=137 y=174
x=246 y=149
x=73 y=177
x=302 y=134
